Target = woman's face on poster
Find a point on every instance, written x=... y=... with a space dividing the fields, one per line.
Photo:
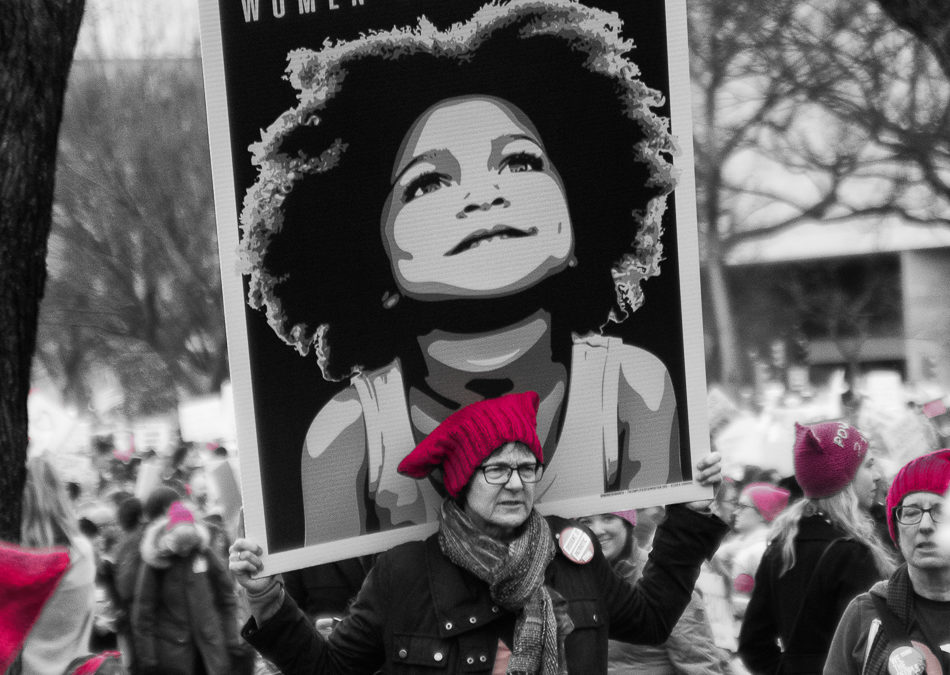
x=476 y=208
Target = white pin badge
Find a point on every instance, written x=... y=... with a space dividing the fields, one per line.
x=576 y=545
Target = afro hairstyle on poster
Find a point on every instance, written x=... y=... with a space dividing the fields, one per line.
x=311 y=234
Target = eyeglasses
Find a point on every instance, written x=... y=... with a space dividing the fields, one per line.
x=499 y=474
x=911 y=515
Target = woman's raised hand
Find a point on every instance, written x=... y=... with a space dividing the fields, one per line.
x=245 y=562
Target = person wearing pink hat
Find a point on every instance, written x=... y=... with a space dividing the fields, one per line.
x=498 y=588
x=823 y=551
x=738 y=558
x=690 y=649
x=184 y=612
x=902 y=625
x=64 y=626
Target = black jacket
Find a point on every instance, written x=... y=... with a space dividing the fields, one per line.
x=778 y=604
x=417 y=611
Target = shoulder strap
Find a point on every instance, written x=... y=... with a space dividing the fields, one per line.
x=808 y=588
x=893 y=627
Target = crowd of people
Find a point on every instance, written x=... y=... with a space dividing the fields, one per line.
x=837 y=569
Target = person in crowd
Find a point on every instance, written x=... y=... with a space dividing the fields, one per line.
x=126 y=559
x=184 y=615
x=738 y=558
x=690 y=648
x=822 y=553
x=902 y=625
x=498 y=586
x=492 y=245
x=64 y=627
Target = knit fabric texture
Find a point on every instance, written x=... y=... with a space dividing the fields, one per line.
x=514 y=573
x=928 y=473
x=770 y=500
x=27 y=579
x=630 y=516
x=827 y=457
x=468 y=436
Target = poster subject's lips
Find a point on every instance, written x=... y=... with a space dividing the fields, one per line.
x=499 y=232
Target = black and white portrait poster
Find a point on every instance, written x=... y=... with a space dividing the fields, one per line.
x=425 y=203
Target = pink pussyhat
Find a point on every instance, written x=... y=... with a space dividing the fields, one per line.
x=178 y=514
x=770 y=500
x=630 y=516
x=827 y=457
x=27 y=580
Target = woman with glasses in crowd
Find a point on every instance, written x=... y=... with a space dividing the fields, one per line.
x=499 y=588
x=822 y=553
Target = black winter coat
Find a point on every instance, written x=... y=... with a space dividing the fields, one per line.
x=184 y=611
x=418 y=612
x=778 y=604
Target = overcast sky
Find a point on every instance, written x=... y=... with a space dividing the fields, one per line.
x=132 y=29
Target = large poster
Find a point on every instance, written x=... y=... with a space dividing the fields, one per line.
x=423 y=203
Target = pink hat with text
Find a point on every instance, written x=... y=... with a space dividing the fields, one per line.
x=827 y=457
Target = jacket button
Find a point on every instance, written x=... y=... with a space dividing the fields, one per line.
x=595 y=616
x=438 y=657
x=494 y=609
x=403 y=653
x=483 y=658
x=472 y=619
x=448 y=625
x=469 y=660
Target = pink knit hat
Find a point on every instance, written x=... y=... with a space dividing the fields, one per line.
x=927 y=473
x=827 y=457
x=630 y=516
x=770 y=500
x=468 y=436
x=178 y=514
x=28 y=578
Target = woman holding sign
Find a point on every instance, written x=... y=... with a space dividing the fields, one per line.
x=498 y=588
x=448 y=216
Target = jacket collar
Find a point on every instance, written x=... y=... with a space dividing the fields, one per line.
x=461 y=601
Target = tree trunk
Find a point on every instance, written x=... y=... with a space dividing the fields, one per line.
x=37 y=39
x=929 y=20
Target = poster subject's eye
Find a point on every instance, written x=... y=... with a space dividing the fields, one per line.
x=522 y=161
x=424 y=184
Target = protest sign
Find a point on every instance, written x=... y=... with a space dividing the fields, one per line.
x=424 y=203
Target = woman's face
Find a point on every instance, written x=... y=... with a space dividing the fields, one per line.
x=476 y=208
x=611 y=531
x=865 y=482
x=746 y=517
x=499 y=510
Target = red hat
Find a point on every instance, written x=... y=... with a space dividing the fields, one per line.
x=827 y=457
x=927 y=473
x=178 y=514
x=468 y=436
x=770 y=500
x=27 y=580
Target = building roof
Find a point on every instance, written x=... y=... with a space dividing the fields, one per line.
x=859 y=236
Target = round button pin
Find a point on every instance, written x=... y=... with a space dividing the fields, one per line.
x=576 y=545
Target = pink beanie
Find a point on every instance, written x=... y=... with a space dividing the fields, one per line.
x=827 y=457
x=178 y=514
x=630 y=516
x=28 y=578
x=471 y=434
x=769 y=499
x=927 y=473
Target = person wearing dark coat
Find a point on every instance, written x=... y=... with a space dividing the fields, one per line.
x=499 y=586
x=184 y=619
x=823 y=551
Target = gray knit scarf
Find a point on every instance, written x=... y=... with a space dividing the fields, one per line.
x=514 y=573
